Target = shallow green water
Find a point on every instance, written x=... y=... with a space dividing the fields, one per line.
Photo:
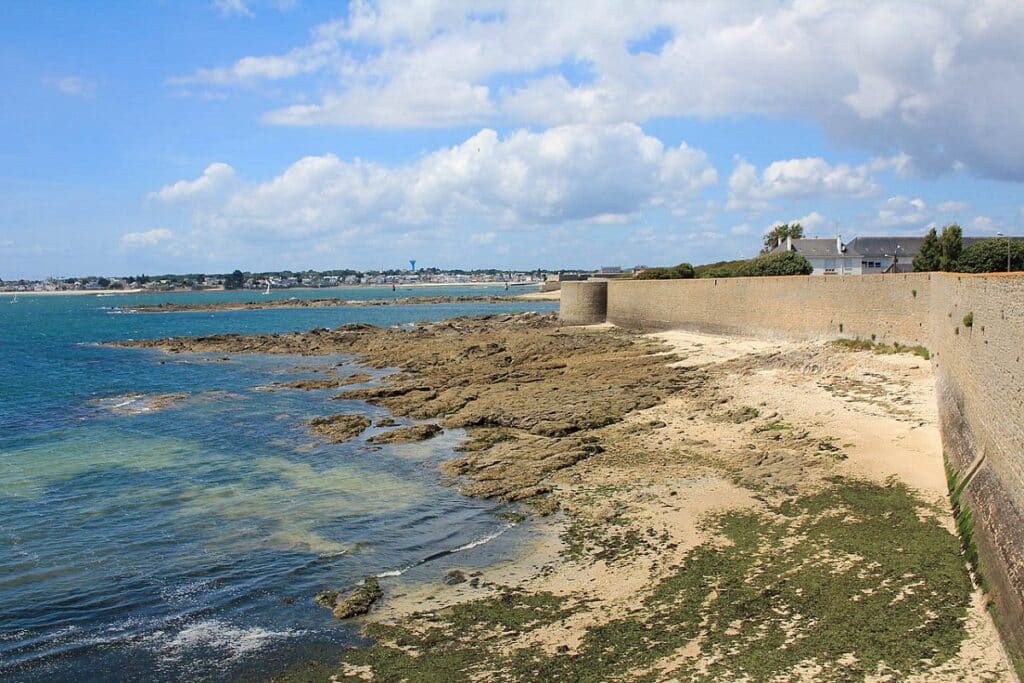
x=187 y=542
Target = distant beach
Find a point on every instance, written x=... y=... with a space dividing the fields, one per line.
x=76 y=292
x=104 y=292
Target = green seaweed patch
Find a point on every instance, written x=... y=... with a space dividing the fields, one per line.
x=852 y=580
x=612 y=540
x=859 y=344
x=512 y=517
x=773 y=426
x=460 y=639
x=964 y=517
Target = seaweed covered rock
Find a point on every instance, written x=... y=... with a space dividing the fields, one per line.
x=408 y=434
x=356 y=603
x=339 y=428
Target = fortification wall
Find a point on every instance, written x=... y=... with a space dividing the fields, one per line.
x=888 y=307
x=979 y=371
x=584 y=303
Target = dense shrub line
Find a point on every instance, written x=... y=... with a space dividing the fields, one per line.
x=779 y=263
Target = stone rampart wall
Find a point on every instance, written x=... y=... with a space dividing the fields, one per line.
x=584 y=303
x=886 y=307
x=979 y=372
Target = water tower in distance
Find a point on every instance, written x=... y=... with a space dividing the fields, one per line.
x=412 y=265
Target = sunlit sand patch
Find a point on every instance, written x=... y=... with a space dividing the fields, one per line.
x=696 y=348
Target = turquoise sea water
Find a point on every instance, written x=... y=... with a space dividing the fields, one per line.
x=187 y=543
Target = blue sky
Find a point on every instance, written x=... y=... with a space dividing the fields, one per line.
x=271 y=134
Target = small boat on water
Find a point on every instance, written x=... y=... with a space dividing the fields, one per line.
x=268 y=288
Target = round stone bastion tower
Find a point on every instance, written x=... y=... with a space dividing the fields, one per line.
x=584 y=302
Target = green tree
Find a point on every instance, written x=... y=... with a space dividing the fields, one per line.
x=779 y=263
x=234 y=281
x=927 y=258
x=779 y=233
x=951 y=244
x=989 y=256
x=684 y=271
x=721 y=268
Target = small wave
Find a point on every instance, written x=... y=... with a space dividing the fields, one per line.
x=229 y=641
x=481 y=541
x=186 y=591
x=13 y=635
x=445 y=553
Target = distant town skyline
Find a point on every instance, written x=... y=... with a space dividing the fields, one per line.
x=274 y=134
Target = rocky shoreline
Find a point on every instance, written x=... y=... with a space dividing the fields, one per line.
x=295 y=302
x=709 y=508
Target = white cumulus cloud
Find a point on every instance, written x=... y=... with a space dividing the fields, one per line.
x=902 y=211
x=934 y=86
x=815 y=224
x=566 y=174
x=215 y=177
x=797 y=178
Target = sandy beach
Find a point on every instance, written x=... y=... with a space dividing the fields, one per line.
x=415 y=285
x=542 y=296
x=77 y=292
x=704 y=508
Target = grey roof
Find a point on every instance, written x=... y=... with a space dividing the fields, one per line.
x=869 y=247
x=813 y=247
x=882 y=247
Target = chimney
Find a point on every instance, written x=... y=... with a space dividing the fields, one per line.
x=839 y=244
x=789 y=243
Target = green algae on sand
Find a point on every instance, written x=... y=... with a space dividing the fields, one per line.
x=821 y=583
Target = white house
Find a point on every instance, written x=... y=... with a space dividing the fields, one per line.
x=829 y=256
x=861 y=256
